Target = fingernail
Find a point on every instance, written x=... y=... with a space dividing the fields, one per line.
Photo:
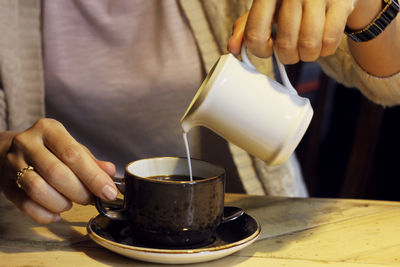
x=109 y=192
x=57 y=217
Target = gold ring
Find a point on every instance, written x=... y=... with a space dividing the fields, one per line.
x=21 y=173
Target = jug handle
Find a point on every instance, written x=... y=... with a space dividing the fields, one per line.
x=282 y=70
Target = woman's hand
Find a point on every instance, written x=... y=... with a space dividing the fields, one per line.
x=64 y=172
x=306 y=29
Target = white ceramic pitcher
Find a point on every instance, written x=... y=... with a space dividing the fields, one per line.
x=250 y=110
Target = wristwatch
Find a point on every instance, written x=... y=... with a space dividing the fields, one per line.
x=381 y=21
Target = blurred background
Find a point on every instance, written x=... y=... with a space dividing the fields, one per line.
x=351 y=148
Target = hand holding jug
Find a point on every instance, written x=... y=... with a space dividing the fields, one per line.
x=249 y=109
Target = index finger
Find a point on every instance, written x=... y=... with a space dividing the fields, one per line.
x=82 y=164
x=257 y=36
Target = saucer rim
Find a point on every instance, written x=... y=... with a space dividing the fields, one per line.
x=93 y=235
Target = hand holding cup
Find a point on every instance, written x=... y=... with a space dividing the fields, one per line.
x=53 y=170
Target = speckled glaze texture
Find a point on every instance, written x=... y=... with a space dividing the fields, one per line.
x=175 y=213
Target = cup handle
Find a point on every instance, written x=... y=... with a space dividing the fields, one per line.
x=231 y=213
x=118 y=212
x=282 y=70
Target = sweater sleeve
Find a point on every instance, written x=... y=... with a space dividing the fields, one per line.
x=3 y=113
x=343 y=68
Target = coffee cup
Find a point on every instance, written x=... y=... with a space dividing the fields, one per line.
x=249 y=109
x=164 y=207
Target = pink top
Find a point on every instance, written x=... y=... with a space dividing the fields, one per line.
x=120 y=74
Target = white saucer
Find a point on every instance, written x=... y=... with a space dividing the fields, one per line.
x=231 y=237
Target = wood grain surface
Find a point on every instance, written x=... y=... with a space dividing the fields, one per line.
x=295 y=232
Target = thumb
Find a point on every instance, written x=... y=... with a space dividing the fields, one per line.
x=107 y=166
x=235 y=41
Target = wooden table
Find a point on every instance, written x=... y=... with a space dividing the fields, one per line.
x=295 y=232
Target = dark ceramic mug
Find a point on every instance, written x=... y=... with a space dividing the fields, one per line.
x=164 y=207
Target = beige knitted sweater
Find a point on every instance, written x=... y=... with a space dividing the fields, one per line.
x=21 y=71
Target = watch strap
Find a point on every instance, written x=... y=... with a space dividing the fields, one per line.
x=378 y=25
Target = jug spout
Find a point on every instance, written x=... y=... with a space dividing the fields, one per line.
x=186 y=125
x=196 y=112
x=188 y=122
